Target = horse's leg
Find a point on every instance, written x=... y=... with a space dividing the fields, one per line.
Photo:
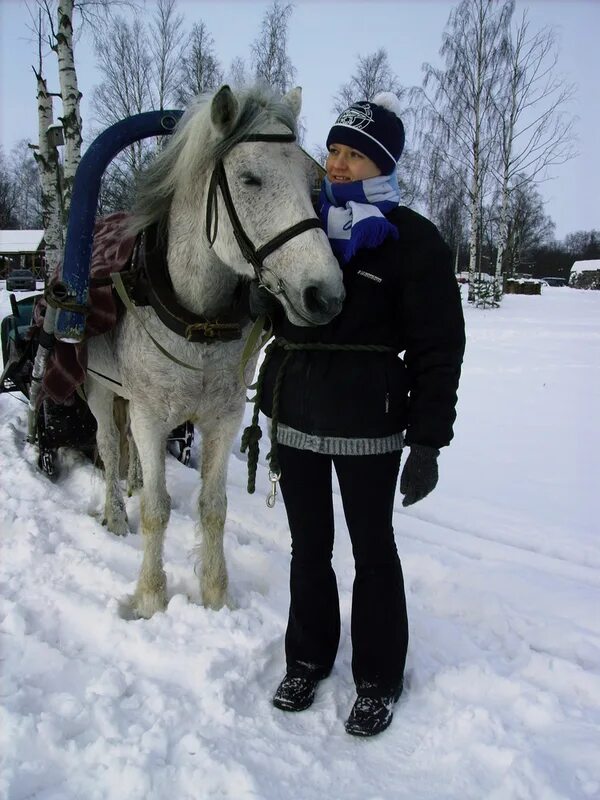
x=100 y=401
x=216 y=448
x=134 y=470
x=151 y=591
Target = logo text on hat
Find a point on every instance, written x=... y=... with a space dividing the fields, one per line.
x=358 y=116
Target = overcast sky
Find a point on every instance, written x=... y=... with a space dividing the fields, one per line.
x=325 y=38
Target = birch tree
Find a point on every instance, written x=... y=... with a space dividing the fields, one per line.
x=71 y=97
x=26 y=180
x=270 y=60
x=125 y=63
x=460 y=98
x=372 y=74
x=166 y=46
x=47 y=159
x=8 y=197
x=528 y=228
x=199 y=70
x=237 y=76
x=536 y=133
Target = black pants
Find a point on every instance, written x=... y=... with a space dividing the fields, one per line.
x=379 y=624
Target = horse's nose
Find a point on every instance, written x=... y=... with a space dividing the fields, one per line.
x=321 y=302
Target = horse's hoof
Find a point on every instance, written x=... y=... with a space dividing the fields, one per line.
x=145 y=604
x=215 y=600
x=119 y=530
x=118 y=527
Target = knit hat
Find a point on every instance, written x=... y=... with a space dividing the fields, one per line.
x=374 y=128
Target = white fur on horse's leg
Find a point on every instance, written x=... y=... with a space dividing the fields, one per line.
x=100 y=401
x=151 y=591
x=134 y=471
x=212 y=507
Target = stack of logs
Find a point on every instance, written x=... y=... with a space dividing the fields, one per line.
x=515 y=286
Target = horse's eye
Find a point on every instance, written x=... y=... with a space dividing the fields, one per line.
x=248 y=179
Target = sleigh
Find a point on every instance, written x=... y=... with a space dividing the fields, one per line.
x=57 y=424
x=52 y=424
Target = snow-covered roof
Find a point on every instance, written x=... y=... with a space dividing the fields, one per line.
x=20 y=241
x=586 y=266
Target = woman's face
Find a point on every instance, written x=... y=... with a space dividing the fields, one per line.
x=345 y=164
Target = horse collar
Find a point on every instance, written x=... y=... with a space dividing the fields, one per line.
x=154 y=288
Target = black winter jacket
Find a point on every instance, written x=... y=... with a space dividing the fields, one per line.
x=402 y=294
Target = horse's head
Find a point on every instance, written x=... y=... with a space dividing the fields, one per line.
x=264 y=190
x=233 y=165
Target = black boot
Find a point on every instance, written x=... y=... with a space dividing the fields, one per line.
x=371 y=713
x=295 y=693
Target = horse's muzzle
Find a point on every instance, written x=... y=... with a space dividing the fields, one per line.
x=320 y=304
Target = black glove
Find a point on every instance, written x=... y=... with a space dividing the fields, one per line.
x=261 y=301
x=420 y=473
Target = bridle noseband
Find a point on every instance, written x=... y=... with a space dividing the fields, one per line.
x=249 y=251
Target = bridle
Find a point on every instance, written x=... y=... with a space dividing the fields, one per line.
x=249 y=251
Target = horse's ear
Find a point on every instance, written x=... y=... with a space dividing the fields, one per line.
x=294 y=100
x=223 y=110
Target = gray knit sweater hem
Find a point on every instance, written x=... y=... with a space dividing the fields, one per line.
x=338 y=445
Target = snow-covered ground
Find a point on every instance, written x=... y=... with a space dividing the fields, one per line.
x=502 y=568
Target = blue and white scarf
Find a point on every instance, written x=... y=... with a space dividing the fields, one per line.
x=353 y=213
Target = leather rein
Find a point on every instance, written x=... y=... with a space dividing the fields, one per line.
x=252 y=255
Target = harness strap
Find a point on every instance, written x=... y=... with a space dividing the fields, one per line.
x=218 y=180
x=121 y=291
x=253 y=433
x=285 y=236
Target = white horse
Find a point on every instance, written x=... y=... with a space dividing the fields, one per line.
x=232 y=158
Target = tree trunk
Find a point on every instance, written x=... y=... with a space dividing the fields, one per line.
x=50 y=173
x=503 y=236
x=475 y=194
x=71 y=96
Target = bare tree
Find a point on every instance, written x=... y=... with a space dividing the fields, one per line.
x=536 y=134
x=52 y=27
x=459 y=100
x=47 y=159
x=199 y=70
x=270 y=60
x=166 y=46
x=372 y=75
x=9 y=219
x=125 y=63
x=71 y=96
x=237 y=76
x=26 y=180
x=529 y=226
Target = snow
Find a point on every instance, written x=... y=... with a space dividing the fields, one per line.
x=591 y=265
x=502 y=570
x=20 y=241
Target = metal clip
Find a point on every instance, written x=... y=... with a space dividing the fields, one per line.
x=274 y=478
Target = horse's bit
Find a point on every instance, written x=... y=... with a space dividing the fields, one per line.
x=249 y=251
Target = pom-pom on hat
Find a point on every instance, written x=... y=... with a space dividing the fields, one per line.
x=374 y=128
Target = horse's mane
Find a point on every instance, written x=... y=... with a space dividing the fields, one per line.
x=191 y=152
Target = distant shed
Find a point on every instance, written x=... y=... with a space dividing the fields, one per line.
x=585 y=274
x=22 y=249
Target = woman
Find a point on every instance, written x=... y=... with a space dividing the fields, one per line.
x=344 y=398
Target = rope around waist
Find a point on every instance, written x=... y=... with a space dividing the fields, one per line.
x=253 y=433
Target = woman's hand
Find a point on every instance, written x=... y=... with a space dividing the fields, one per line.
x=420 y=473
